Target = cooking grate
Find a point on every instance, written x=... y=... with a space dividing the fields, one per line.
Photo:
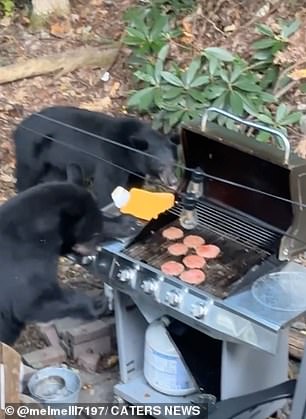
x=233 y=263
x=253 y=235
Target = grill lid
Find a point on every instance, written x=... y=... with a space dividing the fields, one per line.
x=238 y=159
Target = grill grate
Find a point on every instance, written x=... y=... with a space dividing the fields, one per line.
x=221 y=274
x=251 y=235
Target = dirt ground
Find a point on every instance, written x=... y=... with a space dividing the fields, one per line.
x=226 y=23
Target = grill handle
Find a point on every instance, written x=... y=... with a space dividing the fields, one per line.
x=284 y=139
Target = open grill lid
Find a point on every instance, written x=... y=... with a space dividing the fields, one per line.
x=240 y=159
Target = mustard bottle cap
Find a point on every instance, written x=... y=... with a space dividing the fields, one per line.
x=120 y=196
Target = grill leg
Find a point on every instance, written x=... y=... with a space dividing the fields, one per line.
x=130 y=329
x=253 y=370
x=299 y=400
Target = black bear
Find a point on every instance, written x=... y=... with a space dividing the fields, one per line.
x=37 y=227
x=40 y=157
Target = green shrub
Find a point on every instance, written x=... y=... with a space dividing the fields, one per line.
x=216 y=77
x=7 y=7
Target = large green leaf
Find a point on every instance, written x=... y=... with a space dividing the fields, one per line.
x=281 y=112
x=158 y=27
x=263 y=54
x=213 y=65
x=246 y=85
x=278 y=46
x=238 y=69
x=293 y=118
x=265 y=118
x=263 y=137
x=200 y=81
x=192 y=70
x=248 y=105
x=224 y=75
x=135 y=33
x=175 y=117
x=158 y=70
x=158 y=97
x=170 y=106
x=140 y=25
x=220 y=101
x=172 y=79
x=213 y=91
x=265 y=30
x=269 y=77
x=197 y=95
x=145 y=77
x=236 y=103
x=219 y=53
x=172 y=92
x=163 y=53
x=290 y=29
x=142 y=99
x=263 y=43
x=267 y=97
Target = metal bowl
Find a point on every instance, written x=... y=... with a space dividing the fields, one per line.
x=283 y=291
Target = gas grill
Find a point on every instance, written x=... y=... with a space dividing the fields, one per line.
x=235 y=345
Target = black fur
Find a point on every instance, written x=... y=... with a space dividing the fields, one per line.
x=36 y=227
x=38 y=159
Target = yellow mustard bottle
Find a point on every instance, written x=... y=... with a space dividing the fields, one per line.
x=142 y=204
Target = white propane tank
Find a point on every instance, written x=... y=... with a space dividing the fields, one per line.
x=163 y=367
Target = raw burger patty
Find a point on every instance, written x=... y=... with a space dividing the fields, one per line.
x=173 y=233
x=194 y=262
x=193 y=241
x=193 y=276
x=172 y=268
x=208 y=251
x=177 y=249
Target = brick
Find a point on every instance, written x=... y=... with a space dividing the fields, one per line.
x=65 y=324
x=90 y=331
x=48 y=331
x=45 y=357
x=98 y=346
x=88 y=361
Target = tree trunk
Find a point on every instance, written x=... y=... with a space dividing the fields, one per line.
x=46 y=7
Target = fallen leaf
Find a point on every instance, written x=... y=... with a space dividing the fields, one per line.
x=114 y=89
x=230 y=28
x=60 y=29
x=99 y=105
x=301 y=148
x=97 y=2
x=111 y=361
x=7 y=178
x=75 y=17
x=186 y=40
x=6 y=21
x=298 y=74
x=187 y=28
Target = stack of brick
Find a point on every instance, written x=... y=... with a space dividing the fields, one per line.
x=73 y=339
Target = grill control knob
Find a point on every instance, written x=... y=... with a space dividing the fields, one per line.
x=173 y=298
x=148 y=286
x=198 y=310
x=126 y=275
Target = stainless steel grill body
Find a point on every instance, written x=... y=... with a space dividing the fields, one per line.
x=257 y=234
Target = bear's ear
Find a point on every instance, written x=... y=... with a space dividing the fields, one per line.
x=139 y=143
